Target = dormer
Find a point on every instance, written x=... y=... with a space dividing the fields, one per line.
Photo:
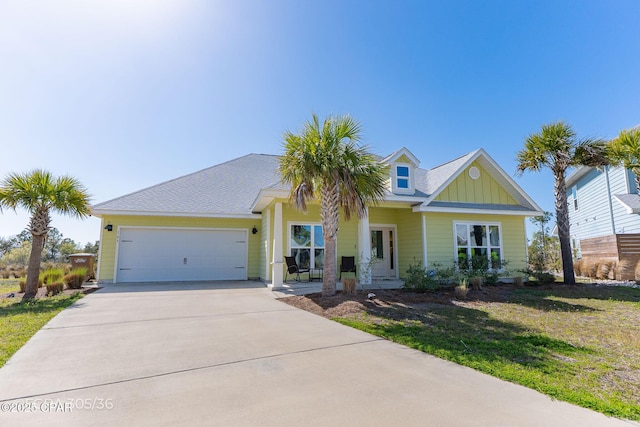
x=402 y=166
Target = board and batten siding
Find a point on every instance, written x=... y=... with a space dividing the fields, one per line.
x=485 y=189
x=108 y=239
x=440 y=237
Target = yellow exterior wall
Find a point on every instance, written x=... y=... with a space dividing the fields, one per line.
x=440 y=235
x=108 y=239
x=482 y=190
x=347 y=242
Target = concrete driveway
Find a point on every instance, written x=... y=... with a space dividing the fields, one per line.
x=231 y=354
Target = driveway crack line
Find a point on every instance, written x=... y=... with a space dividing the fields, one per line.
x=199 y=368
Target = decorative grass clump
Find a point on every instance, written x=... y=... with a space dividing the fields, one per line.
x=54 y=288
x=52 y=275
x=76 y=278
x=461 y=290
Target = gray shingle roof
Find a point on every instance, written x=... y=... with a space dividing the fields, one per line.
x=231 y=188
x=630 y=201
x=228 y=188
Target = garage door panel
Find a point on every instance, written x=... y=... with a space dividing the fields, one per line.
x=181 y=255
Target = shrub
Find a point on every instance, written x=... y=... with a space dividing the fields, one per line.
x=23 y=285
x=518 y=281
x=461 y=290
x=476 y=282
x=54 y=288
x=606 y=266
x=578 y=267
x=75 y=278
x=419 y=280
x=623 y=269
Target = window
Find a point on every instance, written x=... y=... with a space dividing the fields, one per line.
x=478 y=246
x=402 y=177
x=574 y=193
x=307 y=245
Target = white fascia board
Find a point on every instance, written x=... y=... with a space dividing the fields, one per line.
x=509 y=180
x=404 y=150
x=100 y=212
x=452 y=178
x=496 y=168
x=408 y=199
x=628 y=208
x=266 y=196
x=577 y=174
x=477 y=211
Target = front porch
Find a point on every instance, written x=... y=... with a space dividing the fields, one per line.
x=303 y=288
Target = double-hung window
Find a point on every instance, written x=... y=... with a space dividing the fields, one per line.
x=478 y=246
x=402 y=177
x=307 y=245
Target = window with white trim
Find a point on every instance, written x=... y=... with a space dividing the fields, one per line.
x=478 y=245
x=402 y=177
x=306 y=245
x=574 y=194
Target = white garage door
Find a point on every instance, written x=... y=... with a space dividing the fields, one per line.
x=170 y=254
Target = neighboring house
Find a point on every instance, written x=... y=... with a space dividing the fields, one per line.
x=234 y=221
x=603 y=214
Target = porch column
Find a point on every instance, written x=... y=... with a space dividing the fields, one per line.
x=277 y=264
x=364 y=250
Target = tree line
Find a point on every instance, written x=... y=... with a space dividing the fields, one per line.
x=57 y=248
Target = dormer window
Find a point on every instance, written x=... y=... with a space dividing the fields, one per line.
x=402 y=167
x=402 y=177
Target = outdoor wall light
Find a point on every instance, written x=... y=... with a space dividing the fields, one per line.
x=109 y=227
x=254 y=230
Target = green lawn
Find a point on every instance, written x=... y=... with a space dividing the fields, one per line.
x=19 y=321
x=579 y=344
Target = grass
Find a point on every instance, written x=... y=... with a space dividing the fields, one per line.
x=578 y=344
x=9 y=285
x=19 y=320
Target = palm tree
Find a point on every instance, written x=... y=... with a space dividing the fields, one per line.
x=557 y=148
x=325 y=162
x=40 y=193
x=625 y=151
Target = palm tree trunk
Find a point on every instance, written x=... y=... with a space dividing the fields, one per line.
x=562 y=217
x=329 y=210
x=636 y=173
x=33 y=270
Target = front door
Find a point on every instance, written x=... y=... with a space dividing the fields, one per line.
x=382 y=253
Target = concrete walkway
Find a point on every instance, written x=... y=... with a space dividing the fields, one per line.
x=231 y=354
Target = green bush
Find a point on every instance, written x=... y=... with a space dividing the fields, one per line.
x=75 y=278
x=419 y=280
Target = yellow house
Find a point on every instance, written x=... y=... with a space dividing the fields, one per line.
x=233 y=221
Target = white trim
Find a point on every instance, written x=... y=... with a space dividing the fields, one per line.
x=267 y=263
x=99 y=251
x=424 y=240
x=395 y=243
x=99 y=212
x=481 y=153
x=411 y=188
x=277 y=272
x=422 y=208
x=398 y=153
x=488 y=246
x=312 y=254
x=266 y=196
x=145 y=227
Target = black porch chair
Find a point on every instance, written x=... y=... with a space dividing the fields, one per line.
x=292 y=268
x=348 y=265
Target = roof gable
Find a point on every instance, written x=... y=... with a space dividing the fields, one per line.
x=475 y=185
x=444 y=175
x=402 y=155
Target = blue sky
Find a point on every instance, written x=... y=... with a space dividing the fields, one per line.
x=125 y=94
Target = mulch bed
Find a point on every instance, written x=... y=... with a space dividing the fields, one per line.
x=347 y=305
